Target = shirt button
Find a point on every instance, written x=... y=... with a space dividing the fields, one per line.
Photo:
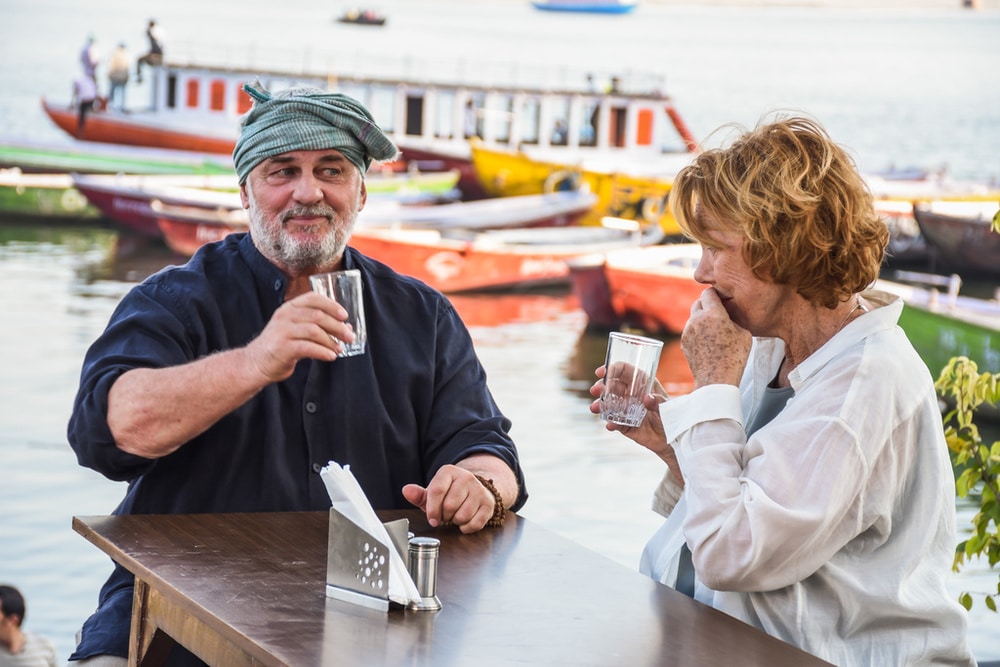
x=277 y=285
x=317 y=468
x=311 y=407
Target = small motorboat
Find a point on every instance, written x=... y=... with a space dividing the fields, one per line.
x=362 y=17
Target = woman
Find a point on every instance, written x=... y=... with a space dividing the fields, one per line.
x=808 y=489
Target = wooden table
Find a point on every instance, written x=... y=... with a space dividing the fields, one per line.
x=249 y=589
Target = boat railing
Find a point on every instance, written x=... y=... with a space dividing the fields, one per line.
x=306 y=62
x=952 y=282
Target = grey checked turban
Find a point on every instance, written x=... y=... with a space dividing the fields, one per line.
x=308 y=119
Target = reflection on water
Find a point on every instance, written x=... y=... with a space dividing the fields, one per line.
x=586 y=483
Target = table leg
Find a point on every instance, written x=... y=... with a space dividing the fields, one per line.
x=148 y=645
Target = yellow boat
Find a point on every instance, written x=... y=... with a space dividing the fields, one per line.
x=505 y=172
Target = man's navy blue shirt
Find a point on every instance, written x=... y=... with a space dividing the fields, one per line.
x=415 y=401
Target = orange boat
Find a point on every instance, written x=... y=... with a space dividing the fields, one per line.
x=459 y=261
x=650 y=288
x=115 y=127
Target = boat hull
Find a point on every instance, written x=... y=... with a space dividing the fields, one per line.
x=116 y=128
x=620 y=195
x=960 y=239
x=482 y=262
x=45 y=196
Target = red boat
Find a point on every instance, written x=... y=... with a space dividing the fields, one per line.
x=187 y=228
x=125 y=199
x=650 y=288
x=457 y=261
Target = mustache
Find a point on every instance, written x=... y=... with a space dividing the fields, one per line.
x=319 y=210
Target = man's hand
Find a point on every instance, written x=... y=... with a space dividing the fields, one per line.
x=454 y=496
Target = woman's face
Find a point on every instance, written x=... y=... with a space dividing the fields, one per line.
x=756 y=305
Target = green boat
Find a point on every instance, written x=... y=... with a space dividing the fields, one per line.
x=942 y=325
x=46 y=196
x=89 y=157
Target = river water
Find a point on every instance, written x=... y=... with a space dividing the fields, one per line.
x=868 y=74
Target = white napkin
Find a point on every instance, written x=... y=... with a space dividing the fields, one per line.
x=347 y=498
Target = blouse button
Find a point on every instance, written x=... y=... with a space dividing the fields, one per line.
x=317 y=468
x=311 y=407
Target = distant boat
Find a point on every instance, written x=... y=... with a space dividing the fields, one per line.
x=45 y=196
x=592 y=6
x=960 y=235
x=362 y=17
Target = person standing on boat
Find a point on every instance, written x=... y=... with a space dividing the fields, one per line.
x=90 y=58
x=119 y=66
x=153 y=57
x=217 y=386
x=84 y=100
x=808 y=489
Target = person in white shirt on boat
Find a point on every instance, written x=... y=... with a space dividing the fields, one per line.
x=808 y=488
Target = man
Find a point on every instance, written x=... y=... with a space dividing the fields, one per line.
x=153 y=57
x=17 y=647
x=119 y=66
x=217 y=387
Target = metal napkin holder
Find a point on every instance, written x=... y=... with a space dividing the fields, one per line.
x=357 y=564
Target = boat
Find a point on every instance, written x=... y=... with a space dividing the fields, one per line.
x=942 y=323
x=358 y=16
x=186 y=228
x=428 y=109
x=556 y=209
x=622 y=188
x=90 y=157
x=462 y=261
x=194 y=220
x=588 y=6
x=961 y=234
x=125 y=199
x=44 y=196
x=906 y=244
x=650 y=289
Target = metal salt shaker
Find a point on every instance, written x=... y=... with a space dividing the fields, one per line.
x=423 y=568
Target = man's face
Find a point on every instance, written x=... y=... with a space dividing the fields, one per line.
x=303 y=206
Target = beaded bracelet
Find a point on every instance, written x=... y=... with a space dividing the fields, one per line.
x=499 y=511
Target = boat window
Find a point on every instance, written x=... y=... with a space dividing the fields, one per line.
x=558 y=121
x=592 y=116
x=382 y=107
x=444 y=128
x=192 y=100
x=217 y=95
x=243 y=101
x=474 y=116
x=172 y=91
x=415 y=114
x=500 y=120
x=529 y=120
x=618 y=119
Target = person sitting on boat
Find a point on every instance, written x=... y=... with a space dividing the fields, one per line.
x=217 y=386
x=153 y=57
x=808 y=488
